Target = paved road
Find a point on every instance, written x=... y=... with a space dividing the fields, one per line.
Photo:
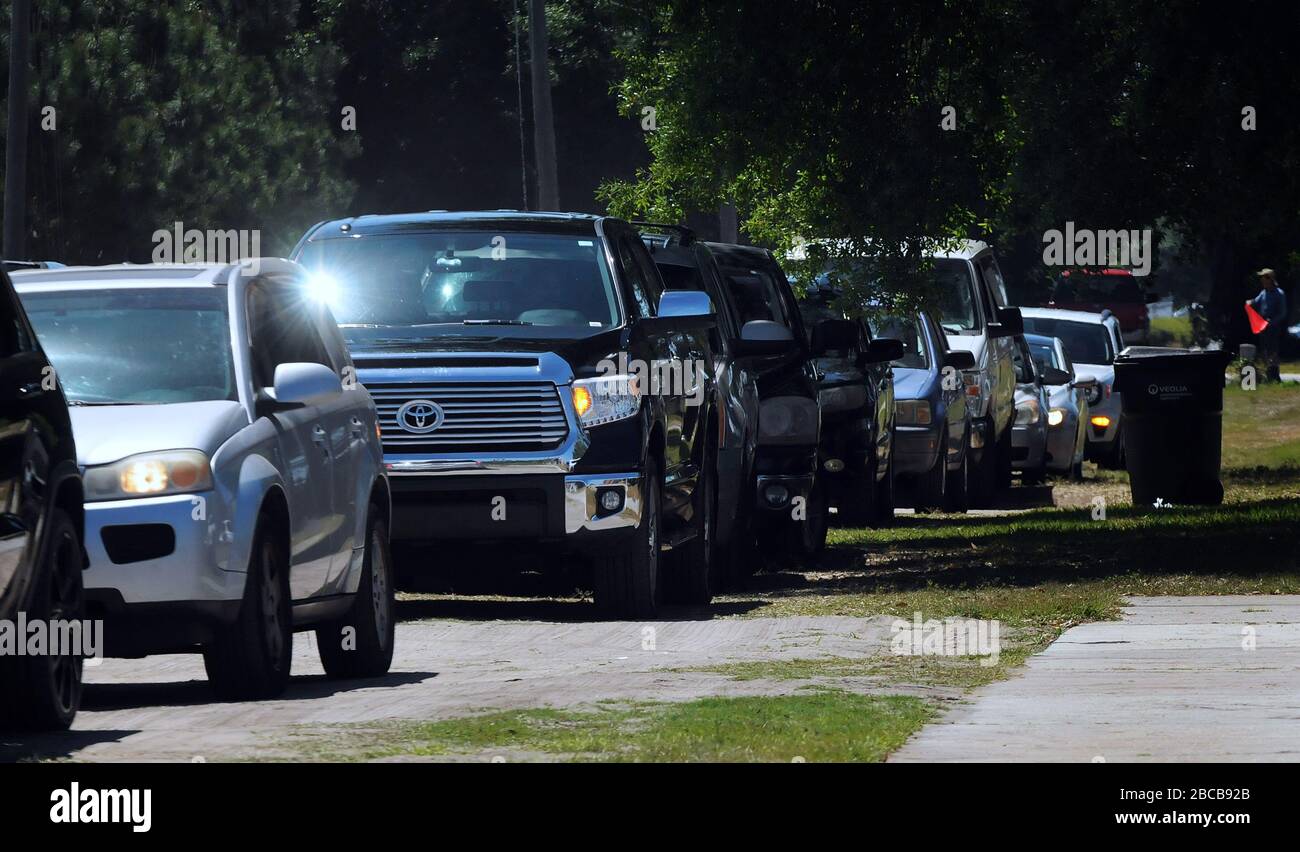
x=160 y=708
x=1172 y=681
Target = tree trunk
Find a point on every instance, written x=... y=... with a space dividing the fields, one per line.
x=548 y=190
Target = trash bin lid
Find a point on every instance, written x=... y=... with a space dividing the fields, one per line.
x=1166 y=356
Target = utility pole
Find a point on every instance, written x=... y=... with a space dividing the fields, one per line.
x=15 y=211
x=548 y=190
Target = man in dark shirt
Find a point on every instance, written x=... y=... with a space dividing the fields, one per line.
x=1271 y=305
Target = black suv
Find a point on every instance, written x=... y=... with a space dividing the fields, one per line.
x=41 y=525
x=534 y=382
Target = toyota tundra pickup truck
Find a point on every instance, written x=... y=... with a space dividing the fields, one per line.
x=534 y=382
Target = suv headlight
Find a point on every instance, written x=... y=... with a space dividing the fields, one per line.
x=1056 y=417
x=606 y=399
x=149 y=475
x=1028 y=413
x=912 y=412
x=789 y=420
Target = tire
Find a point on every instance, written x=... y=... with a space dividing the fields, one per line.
x=883 y=510
x=957 y=497
x=1034 y=477
x=1003 y=459
x=983 y=481
x=251 y=658
x=1076 y=471
x=372 y=619
x=691 y=575
x=931 y=487
x=811 y=539
x=43 y=693
x=626 y=580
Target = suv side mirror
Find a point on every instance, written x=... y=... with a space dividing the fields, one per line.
x=764 y=337
x=299 y=383
x=1009 y=324
x=1054 y=376
x=960 y=359
x=883 y=349
x=685 y=303
x=834 y=335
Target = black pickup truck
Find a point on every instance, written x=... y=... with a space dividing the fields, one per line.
x=534 y=382
x=41 y=525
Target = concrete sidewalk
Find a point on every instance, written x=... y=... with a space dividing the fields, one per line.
x=1175 y=680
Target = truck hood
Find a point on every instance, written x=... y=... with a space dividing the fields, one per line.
x=579 y=350
x=108 y=433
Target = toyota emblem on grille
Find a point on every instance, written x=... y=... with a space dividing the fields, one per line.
x=420 y=416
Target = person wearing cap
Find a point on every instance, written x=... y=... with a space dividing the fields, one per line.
x=1271 y=305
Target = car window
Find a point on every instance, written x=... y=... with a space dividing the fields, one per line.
x=985 y=294
x=1021 y=357
x=1045 y=355
x=955 y=294
x=756 y=294
x=137 y=346
x=635 y=276
x=283 y=330
x=14 y=338
x=908 y=330
x=1085 y=342
x=993 y=276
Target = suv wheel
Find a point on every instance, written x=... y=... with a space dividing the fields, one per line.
x=957 y=497
x=884 y=508
x=691 y=574
x=984 y=475
x=932 y=488
x=43 y=692
x=251 y=657
x=361 y=645
x=627 y=579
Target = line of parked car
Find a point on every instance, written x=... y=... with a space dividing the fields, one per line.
x=209 y=458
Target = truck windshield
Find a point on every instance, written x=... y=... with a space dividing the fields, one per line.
x=461 y=277
x=136 y=346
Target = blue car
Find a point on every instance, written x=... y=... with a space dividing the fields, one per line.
x=932 y=422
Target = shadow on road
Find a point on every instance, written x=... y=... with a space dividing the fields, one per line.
x=127 y=696
x=506 y=608
x=16 y=746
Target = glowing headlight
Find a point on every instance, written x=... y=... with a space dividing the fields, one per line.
x=150 y=475
x=1028 y=413
x=322 y=286
x=1056 y=417
x=606 y=399
x=912 y=412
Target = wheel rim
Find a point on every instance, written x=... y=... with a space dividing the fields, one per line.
x=271 y=603
x=65 y=604
x=379 y=596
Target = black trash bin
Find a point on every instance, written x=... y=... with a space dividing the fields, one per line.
x=1172 y=401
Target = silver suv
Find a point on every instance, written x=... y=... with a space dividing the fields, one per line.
x=235 y=489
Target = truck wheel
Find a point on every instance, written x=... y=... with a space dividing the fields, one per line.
x=811 y=532
x=1003 y=458
x=42 y=693
x=984 y=477
x=361 y=645
x=957 y=496
x=627 y=579
x=251 y=657
x=691 y=576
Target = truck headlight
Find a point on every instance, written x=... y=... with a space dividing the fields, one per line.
x=844 y=398
x=1056 y=417
x=1028 y=413
x=789 y=420
x=913 y=412
x=606 y=399
x=149 y=475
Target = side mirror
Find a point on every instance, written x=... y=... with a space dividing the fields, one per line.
x=960 y=359
x=883 y=349
x=1009 y=324
x=1054 y=376
x=685 y=303
x=833 y=335
x=1085 y=382
x=300 y=383
x=763 y=337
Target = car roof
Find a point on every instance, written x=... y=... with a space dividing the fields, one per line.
x=393 y=223
x=1063 y=314
x=121 y=276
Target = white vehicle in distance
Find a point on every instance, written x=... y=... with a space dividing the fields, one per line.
x=1067 y=413
x=235 y=490
x=1091 y=341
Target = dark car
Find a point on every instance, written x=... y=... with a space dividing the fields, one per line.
x=41 y=524
x=534 y=382
x=855 y=392
x=790 y=511
x=932 y=457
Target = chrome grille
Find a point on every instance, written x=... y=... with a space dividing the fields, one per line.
x=497 y=416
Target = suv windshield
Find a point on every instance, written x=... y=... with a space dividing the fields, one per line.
x=136 y=346
x=1085 y=342
x=464 y=278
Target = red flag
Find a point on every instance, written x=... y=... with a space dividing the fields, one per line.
x=1257 y=322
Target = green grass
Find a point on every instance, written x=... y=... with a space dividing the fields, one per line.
x=1171 y=331
x=813 y=725
x=1261 y=427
